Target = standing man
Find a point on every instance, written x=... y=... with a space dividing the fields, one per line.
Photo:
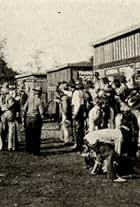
x=3 y=105
x=78 y=111
x=33 y=114
x=96 y=81
x=127 y=122
x=123 y=91
x=12 y=122
x=66 y=124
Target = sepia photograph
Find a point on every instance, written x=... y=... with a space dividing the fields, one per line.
x=69 y=103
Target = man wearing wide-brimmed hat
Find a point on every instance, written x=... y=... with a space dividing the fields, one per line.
x=34 y=114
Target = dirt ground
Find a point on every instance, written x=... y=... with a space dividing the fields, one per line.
x=57 y=179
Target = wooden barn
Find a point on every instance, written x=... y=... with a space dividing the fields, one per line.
x=118 y=53
x=66 y=72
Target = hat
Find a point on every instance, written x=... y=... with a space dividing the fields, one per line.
x=72 y=84
x=21 y=88
x=12 y=87
x=37 y=89
x=101 y=93
x=5 y=88
x=122 y=79
x=102 y=97
x=132 y=92
x=102 y=101
x=96 y=74
x=116 y=83
x=66 y=86
x=62 y=86
x=90 y=84
x=116 y=80
x=134 y=102
x=79 y=85
x=124 y=106
x=105 y=80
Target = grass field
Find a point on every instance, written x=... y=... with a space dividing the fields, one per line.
x=57 y=179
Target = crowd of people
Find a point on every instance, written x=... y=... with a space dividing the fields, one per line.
x=20 y=111
x=98 y=118
x=102 y=115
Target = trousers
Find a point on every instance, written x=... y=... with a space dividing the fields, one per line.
x=78 y=129
x=12 y=135
x=33 y=127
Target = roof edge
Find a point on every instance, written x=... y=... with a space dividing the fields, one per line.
x=116 y=35
x=29 y=74
x=76 y=64
x=58 y=67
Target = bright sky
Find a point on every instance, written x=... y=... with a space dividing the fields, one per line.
x=62 y=29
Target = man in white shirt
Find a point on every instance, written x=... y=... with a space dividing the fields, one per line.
x=78 y=115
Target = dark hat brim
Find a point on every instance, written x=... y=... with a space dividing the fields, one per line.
x=37 y=90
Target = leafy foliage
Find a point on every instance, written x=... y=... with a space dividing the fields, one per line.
x=4 y=69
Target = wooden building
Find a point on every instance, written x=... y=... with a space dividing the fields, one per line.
x=32 y=80
x=66 y=72
x=119 y=53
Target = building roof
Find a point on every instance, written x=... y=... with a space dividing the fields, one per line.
x=71 y=65
x=114 y=36
x=30 y=74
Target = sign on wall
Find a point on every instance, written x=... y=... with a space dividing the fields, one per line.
x=111 y=71
x=85 y=75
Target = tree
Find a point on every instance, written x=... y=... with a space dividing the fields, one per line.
x=4 y=69
x=91 y=59
x=2 y=48
x=36 y=60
